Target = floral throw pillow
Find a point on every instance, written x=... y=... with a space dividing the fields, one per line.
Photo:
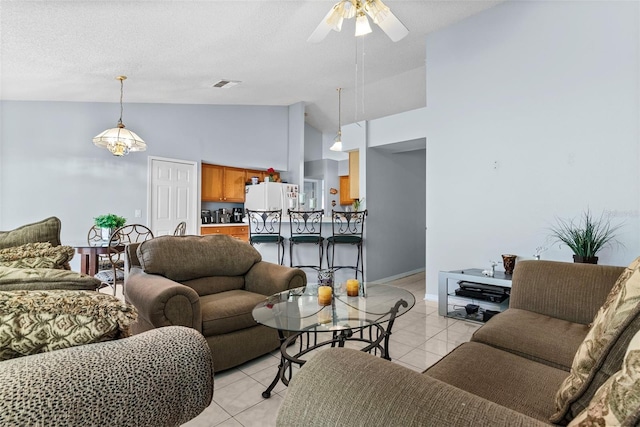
x=621 y=307
x=617 y=401
x=38 y=321
x=36 y=255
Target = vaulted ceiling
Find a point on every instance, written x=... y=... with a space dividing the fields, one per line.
x=174 y=51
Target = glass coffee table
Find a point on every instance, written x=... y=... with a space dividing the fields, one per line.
x=297 y=315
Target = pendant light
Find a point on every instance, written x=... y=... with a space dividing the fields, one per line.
x=120 y=141
x=337 y=142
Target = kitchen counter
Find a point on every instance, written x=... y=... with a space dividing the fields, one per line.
x=285 y=220
x=227 y=224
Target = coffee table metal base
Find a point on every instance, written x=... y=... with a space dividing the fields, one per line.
x=375 y=335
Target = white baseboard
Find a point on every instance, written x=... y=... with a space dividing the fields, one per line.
x=431 y=297
x=397 y=276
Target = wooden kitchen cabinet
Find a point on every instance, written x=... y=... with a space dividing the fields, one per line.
x=240 y=232
x=212 y=182
x=222 y=184
x=234 y=183
x=354 y=174
x=345 y=198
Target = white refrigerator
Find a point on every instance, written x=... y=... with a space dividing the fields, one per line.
x=268 y=196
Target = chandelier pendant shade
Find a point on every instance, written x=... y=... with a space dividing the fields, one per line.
x=360 y=9
x=337 y=142
x=119 y=140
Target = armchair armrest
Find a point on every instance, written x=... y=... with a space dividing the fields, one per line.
x=161 y=301
x=162 y=377
x=348 y=387
x=267 y=278
x=568 y=291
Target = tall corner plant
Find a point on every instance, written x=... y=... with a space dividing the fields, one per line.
x=585 y=237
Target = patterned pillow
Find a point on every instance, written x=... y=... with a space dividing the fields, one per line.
x=600 y=355
x=617 y=402
x=36 y=255
x=37 y=321
x=47 y=230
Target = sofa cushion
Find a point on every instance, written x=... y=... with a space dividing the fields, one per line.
x=501 y=377
x=617 y=401
x=229 y=311
x=549 y=340
x=37 y=321
x=36 y=255
x=182 y=258
x=600 y=354
x=47 y=230
x=215 y=284
x=44 y=278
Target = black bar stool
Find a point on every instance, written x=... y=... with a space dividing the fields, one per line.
x=264 y=227
x=348 y=228
x=306 y=227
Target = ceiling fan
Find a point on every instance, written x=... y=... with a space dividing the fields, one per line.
x=346 y=9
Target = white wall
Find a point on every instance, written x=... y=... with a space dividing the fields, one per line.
x=296 y=142
x=532 y=113
x=395 y=237
x=402 y=127
x=49 y=166
x=312 y=144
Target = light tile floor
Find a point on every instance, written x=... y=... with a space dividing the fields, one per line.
x=420 y=338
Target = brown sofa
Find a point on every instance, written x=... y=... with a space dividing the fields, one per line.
x=37 y=278
x=211 y=284
x=507 y=375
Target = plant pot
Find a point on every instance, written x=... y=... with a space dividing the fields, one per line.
x=585 y=259
x=106 y=233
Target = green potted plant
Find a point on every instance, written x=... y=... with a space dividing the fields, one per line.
x=108 y=223
x=357 y=203
x=585 y=237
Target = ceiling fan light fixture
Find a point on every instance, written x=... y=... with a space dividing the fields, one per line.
x=120 y=141
x=362 y=25
x=346 y=9
x=377 y=10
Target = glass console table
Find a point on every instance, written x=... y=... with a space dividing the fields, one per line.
x=447 y=297
x=296 y=314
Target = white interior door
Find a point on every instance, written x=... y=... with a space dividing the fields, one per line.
x=172 y=195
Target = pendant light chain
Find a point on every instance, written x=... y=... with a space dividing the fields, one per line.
x=355 y=99
x=339 y=109
x=362 y=80
x=121 y=108
x=359 y=79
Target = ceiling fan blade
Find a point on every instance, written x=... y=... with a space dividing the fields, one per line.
x=320 y=32
x=333 y=21
x=393 y=27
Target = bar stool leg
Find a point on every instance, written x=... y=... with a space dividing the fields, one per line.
x=290 y=253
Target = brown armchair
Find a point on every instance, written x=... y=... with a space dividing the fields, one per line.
x=211 y=284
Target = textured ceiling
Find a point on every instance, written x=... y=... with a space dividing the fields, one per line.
x=173 y=51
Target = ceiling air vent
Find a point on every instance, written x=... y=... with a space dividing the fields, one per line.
x=226 y=83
